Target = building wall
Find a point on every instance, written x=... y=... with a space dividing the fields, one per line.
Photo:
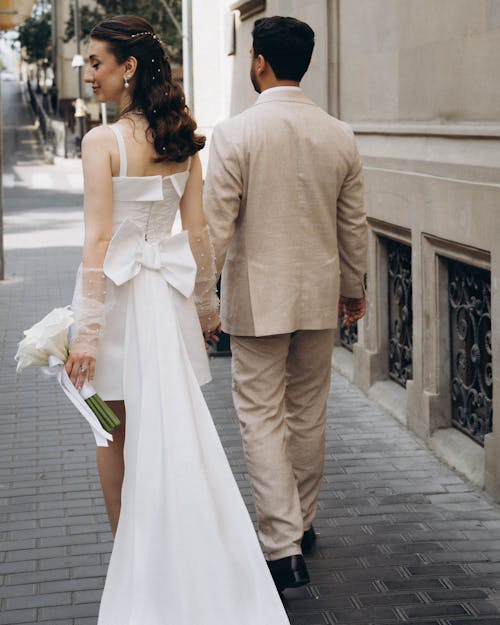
x=419 y=81
x=419 y=60
x=66 y=75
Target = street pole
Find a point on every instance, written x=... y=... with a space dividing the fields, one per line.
x=187 y=52
x=2 y=266
x=55 y=48
x=78 y=140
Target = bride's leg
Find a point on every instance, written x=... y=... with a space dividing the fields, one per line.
x=110 y=465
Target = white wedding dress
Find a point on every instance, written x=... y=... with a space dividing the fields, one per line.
x=185 y=552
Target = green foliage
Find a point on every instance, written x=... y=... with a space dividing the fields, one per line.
x=35 y=33
x=154 y=11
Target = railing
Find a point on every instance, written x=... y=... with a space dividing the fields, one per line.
x=400 y=311
x=39 y=112
x=53 y=130
x=469 y=297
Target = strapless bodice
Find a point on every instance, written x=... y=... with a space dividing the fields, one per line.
x=151 y=202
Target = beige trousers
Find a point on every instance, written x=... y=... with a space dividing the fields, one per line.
x=280 y=388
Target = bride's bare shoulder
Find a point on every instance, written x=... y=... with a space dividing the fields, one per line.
x=98 y=137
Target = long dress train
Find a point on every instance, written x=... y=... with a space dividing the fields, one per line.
x=185 y=551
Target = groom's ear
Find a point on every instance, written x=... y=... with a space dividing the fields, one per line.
x=260 y=64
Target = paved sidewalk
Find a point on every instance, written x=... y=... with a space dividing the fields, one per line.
x=403 y=539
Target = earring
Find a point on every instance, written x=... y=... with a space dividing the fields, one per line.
x=126 y=82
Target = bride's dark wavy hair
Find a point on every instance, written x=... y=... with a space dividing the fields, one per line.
x=152 y=90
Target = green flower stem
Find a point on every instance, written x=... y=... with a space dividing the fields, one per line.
x=114 y=419
x=103 y=412
x=106 y=420
x=101 y=417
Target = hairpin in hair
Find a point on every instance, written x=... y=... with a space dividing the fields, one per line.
x=146 y=32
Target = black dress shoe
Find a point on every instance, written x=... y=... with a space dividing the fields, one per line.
x=289 y=572
x=308 y=541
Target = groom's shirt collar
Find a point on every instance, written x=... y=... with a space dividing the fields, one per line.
x=276 y=89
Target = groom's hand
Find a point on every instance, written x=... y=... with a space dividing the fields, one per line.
x=351 y=309
x=212 y=336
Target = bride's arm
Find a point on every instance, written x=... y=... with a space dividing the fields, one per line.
x=193 y=220
x=89 y=302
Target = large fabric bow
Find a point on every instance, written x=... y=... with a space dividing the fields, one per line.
x=128 y=251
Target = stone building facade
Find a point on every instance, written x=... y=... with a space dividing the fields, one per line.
x=419 y=81
x=66 y=76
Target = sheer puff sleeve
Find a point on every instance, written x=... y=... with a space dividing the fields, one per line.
x=205 y=290
x=91 y=300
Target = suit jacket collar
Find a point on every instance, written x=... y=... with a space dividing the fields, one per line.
x=291 y=95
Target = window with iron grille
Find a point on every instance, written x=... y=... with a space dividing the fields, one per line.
x=469 y=300
x=400 y=311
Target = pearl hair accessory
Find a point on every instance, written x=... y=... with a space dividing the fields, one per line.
x=146 y=32
x=156 y=38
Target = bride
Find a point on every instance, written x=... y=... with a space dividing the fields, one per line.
x=185 y=550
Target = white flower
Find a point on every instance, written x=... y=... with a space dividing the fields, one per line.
x=48 y=337
x=55 y=322
x=27 y=355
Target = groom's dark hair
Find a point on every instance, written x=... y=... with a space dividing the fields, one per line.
x=287 y=45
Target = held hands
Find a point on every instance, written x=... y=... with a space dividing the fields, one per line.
x=210 y=327
x=351 y=309
x=212 y=336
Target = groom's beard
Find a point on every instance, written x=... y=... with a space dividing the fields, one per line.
x=253 y=78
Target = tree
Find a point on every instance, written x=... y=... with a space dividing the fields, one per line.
x=35 y=33
x=155 y=12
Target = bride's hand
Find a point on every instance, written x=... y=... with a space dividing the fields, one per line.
x=212 y=336
x=210 y=326
x=80 y=367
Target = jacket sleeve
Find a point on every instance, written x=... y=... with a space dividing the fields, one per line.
x=352 y=231
x=222 y=192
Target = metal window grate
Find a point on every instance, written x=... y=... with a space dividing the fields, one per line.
x=400 y=311
x=469 y=298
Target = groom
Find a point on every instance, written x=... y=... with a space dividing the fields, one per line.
x=284 y=200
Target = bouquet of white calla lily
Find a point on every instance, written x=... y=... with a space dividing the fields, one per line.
x=27 y=355
x=48 y=337
x=46 y=344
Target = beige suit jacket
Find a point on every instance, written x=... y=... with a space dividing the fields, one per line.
x=284 y=201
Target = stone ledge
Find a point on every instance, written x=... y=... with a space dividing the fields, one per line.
x=460 y=453
x=449 y=445
x=342 y=362
x=391 y=397
x=387 y=394
x=247 y=8
x=484 y=130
